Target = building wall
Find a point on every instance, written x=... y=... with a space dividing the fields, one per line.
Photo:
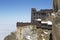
x=19 y=33
x=25 y=31
x=42 y=14
x=31 y=32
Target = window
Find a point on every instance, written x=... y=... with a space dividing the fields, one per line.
x=34 y=14
x=43 y=14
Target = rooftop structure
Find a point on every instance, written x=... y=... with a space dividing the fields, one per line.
x=43 y=14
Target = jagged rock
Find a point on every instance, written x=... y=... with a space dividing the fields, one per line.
x=56 y=27
x=12 y=36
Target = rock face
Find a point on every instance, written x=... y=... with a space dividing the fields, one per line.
x=56 y=27
x=56 y=20
x=43 y=34
x=27 y=32
x=12 y=36
x=30 y=32
x=56 y=5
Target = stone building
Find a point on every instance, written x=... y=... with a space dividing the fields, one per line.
x=29 y=31
x=42 y=14
x=39 y=28
x=43 y=24
x=26 y=31
x=38 y=17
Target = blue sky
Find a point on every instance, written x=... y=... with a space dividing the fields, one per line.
x=12 y=11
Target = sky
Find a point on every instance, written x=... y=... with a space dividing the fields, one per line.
x=13 y=11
